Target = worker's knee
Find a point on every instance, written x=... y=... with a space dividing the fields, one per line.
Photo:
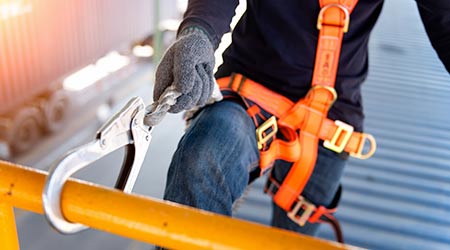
x=219 y=147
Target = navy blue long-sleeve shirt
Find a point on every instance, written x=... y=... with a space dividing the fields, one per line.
x=274 y=43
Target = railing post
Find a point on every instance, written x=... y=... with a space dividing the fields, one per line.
x=157 y=38
x=8 y=232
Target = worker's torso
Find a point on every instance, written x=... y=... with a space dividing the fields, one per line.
x=275 y=44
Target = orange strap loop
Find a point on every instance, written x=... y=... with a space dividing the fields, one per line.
x=304 y=211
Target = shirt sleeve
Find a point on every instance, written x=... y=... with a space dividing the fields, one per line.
x=213 y=16
x=435 y=16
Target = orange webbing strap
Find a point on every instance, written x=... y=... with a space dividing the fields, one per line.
x=256 y=93
x=332 y=22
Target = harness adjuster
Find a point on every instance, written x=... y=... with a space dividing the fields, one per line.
x=308 y=209
x=341 y=7
x=266 y=131
x=340 y=138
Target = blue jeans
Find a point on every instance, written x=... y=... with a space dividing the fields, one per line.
x=210 y=168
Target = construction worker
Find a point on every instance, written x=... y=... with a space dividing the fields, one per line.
x=274 y=53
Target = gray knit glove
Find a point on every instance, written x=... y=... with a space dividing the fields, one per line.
x=188 y=64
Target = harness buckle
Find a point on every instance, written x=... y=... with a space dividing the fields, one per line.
x=262 y=138
x=308 y=209
x=341 y=7
x=373 y=147
x=340 y=138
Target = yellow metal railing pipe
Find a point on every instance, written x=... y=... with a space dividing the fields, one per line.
x=146 y=219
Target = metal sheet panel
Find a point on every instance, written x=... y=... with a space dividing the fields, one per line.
x=400 y=198
x=43 y=40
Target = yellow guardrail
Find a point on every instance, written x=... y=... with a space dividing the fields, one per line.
x=137 y=217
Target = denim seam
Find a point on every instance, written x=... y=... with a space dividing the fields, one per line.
x=251 y=165
x=225 y=161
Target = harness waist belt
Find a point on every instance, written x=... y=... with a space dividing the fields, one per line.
x=337 y=136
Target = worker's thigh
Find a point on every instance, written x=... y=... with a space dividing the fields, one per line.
x=320 y=189
x=210 y=167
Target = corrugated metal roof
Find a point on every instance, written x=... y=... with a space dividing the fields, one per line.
x=400 y=198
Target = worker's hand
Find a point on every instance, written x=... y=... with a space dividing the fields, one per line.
x=188 y=64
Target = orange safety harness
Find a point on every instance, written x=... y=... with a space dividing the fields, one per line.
x=304 y=123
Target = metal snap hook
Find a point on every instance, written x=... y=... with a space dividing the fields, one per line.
x=126 y=128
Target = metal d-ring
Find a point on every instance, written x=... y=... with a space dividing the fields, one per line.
x=339 y=6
